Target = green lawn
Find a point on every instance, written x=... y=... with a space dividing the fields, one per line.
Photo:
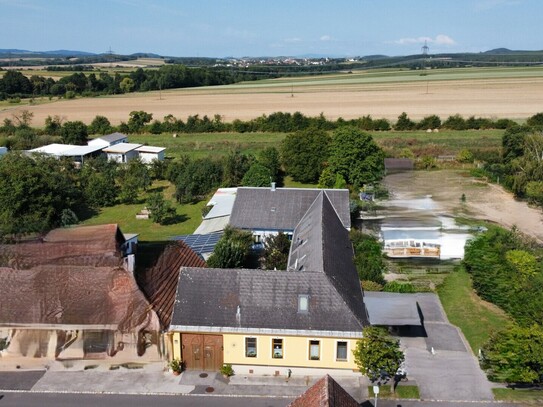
x=475 y=317
x=402 y=392
x=531 y=397
x=189 y=217
x=290 y=183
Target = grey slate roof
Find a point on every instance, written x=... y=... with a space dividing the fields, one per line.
x=321 y=243
x=113 y=137
x=282 y=209
x=269 y=299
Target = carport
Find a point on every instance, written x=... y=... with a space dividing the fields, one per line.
x=393 y=309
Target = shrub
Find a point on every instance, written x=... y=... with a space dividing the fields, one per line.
x=226 y=370
x=397 y=287
x=368 y=285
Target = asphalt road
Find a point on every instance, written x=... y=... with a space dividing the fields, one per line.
x=26 y=399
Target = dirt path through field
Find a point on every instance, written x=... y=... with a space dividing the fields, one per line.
x=483 y=201
x=498 y=97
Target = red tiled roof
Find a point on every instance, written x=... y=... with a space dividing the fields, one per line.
x=160 y=281
x=325 y=393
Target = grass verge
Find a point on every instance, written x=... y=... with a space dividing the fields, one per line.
x=402 y=392
x=532 y=397
x=474 y=316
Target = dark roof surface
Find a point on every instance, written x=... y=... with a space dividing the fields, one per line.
x=324 y=271
x=321 y=243
x=113 y=137
x=200 y=243
x=392 y=309
x=267 y=299
x=159 y=283
x=325 y=393
x=282 y=209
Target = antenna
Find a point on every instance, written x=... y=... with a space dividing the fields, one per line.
x=425 y=49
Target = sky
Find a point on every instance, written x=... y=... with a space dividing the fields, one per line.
x=238 y=28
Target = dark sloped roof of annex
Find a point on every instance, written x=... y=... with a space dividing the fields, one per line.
x=282 y=208
x=111 y=138
x=270 y=299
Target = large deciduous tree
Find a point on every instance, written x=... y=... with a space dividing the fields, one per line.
x=74 y=133
x=232 y=250
x=377 y=355
x=34 y=191
x=304 y=154
x=355 y=156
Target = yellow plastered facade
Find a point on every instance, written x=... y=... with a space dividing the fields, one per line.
x=295 y=351
x=176 y=338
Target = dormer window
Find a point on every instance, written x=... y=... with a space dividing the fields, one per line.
x=303 y=303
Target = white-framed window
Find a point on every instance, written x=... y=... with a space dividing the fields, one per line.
x=342 y=351
x=314 y=349
x=303 y=303
x=250 y=347
x=277 y=348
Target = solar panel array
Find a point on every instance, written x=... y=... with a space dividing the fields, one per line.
x=200 y=243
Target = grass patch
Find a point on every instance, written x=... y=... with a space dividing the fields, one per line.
x=475 y=317
x=290 y=183
x=402 y=392
x=189 y=216
x=533 y=397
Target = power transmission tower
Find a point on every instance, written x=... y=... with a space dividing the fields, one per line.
x=425 y=49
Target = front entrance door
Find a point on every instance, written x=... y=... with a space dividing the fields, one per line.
x=202 y=352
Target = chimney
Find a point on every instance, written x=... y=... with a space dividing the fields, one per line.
x=273 y=186
x=238 y=315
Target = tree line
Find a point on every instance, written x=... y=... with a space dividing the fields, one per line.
x=14 y=84
x=519 y=167
x=507 y=270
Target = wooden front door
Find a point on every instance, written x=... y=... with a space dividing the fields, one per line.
x=202 y=352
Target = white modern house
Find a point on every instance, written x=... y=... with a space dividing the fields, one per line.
x=148 y=154
x=122 y=152
x=109 y=140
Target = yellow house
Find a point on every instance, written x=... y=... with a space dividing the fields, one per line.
x=262 y=321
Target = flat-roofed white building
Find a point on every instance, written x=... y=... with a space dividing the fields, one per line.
x=148 y=154
x=78 y=153
x=3 y=150
x=122 y=152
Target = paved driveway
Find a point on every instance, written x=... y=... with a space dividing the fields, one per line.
x=451 y=371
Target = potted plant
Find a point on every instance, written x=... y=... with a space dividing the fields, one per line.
x=226 y=370
x=176 y=365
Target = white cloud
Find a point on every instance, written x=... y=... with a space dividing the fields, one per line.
x=292 y=39
x=440 y=39
x=326 y=38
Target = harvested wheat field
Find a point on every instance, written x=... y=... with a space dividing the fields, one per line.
x=499 y=93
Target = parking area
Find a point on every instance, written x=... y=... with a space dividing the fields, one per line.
x=441 y=362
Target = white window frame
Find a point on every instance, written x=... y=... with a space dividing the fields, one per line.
x=335 y=355
x=309 y=349
x=245 y=346
x=282 y=347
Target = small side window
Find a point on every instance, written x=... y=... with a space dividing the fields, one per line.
x=341 y=351
x=277 y=348
x=250 y=347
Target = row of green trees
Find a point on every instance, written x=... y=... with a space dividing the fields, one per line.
x=16 y=84
x=507 y=270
